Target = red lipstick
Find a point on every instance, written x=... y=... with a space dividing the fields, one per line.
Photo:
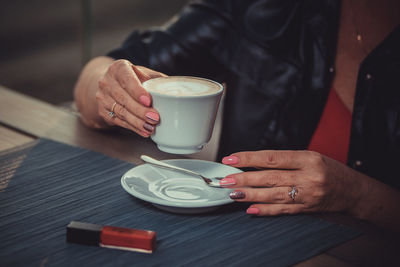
x=111 y=237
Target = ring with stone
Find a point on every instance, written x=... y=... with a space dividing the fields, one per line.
x=293 y=193
x=112 y=113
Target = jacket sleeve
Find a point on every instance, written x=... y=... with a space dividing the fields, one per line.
x=184 y=45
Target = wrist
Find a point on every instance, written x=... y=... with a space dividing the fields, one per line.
x=371 y=200
x=361 y=192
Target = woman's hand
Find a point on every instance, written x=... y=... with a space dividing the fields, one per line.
x=291 y=182
x=122 y=101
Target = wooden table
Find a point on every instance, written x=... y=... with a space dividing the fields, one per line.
x=23 y=119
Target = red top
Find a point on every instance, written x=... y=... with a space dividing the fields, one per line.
x=332 y=135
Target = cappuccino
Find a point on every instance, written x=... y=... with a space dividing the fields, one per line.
x=182 y=86
x=187 y=107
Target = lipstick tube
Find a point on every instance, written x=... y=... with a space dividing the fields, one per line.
x=111 y=237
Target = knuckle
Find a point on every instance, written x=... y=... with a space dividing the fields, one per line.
x=124 y=124
x=137 y=123
x=319 y=179
x=287 y=210
x=280 y=196
x=124 y=81
x=119 y=98
x=271 y=157
x=99 y=96
x=292 y=176
x=119 y=70
x=315 y=158
x=312 y=200
x=102 y=83
x=272 y=179
x=244 y=179
x=118 y=64
x=244 y=157
x=120 y=111
x=254 y=196
x=319 y=194
x=140 y=112
x=274 y=211
x=318 y=162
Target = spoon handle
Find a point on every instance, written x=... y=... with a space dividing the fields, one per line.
x=166 y=165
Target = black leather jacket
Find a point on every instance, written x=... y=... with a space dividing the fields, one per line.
x=276 y=58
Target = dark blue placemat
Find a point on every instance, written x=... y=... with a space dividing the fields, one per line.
x=57 y=183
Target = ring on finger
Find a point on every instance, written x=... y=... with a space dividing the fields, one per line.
x=293 y=193
x=111 y=113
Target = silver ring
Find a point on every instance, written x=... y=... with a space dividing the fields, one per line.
x=112 y=113
x=293 y=193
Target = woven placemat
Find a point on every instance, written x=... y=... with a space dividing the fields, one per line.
x=49 y=184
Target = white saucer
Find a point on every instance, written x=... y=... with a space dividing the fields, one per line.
x=177 y=192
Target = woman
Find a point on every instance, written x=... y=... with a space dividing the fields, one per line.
x=312 y=90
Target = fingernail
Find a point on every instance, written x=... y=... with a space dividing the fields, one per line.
x=153 y=116
x=230 y=160
x=252 y=211
x=148 y=127
x=227 y=182
x=145 y=100
x=145 y=134
x=237 y=195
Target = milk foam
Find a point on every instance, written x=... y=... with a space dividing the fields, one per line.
x=182 y=86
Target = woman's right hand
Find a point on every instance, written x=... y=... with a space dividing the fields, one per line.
x=122 y=100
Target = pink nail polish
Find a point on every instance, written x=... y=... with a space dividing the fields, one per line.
x=153 y=116
x=145 y=100
x=252 y=211
x=227 y=182
x=231 y=160
x=145 y=134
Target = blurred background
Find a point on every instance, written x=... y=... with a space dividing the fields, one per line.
x=45 y=43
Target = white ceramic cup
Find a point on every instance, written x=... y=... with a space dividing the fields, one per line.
x=188 y=107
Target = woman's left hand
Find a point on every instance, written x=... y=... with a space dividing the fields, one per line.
x=291 y=182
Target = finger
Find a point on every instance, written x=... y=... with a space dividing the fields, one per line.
x=277 y=159
x=149 y=115
x=126 y=76
x=274 y=195
x=125 y=125
x=124 y=115
x=150 y=74
x=275 y=209
x=265 y=178
x=118 y=122
x=107 y=104
x=142 y=76
x=133 y=112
